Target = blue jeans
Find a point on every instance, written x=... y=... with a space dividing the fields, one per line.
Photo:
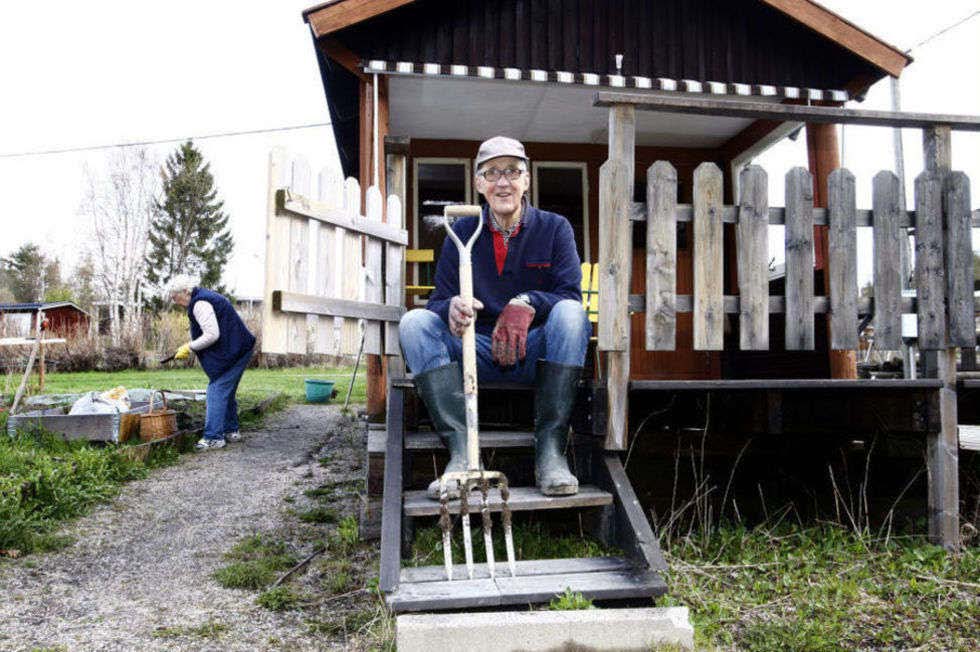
x=221 y=414
x=427 y=343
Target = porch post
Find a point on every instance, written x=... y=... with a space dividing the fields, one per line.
x=615 y=254
x=942 y=447
x=824 y=157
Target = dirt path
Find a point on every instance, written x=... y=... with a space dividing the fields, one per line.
x=141 y=567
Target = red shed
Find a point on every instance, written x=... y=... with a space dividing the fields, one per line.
x=64 y=317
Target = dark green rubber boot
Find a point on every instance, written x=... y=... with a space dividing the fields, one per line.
x=553 y=404
x=441 y=390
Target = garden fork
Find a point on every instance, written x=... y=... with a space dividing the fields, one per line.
x=472 y=477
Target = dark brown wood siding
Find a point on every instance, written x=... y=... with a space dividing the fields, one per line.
x=740 y=41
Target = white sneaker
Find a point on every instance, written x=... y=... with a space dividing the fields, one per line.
x=233 y=436
x=208 y=444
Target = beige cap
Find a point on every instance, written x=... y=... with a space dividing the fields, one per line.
x=499 y=146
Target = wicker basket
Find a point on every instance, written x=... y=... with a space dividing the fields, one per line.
x=158 y=424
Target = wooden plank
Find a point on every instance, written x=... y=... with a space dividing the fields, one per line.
x=331 y=194
x=329 y=18
x=887 y=202
x=929 y=267
x=708 y=259
x=391 y=515
x=753 y=259
x=666 y=103
x=959 y=261
x=661 y=281
x=732 y=385
x=843 y=260
x=394 y=253
x=291 y=302
x=633 y=531
x=274 y=325
x=942 y=457
x=349 y=261
x=799 y=260
x=614 y=256
x=969 y=438
x=777 y=215
x=505 y=590
x=610 y=585
x=431 y=441
x=847 y=35
x=522 y=499
x=373 y=281
x=298 y=260
x=342 y=217
x=525 y=568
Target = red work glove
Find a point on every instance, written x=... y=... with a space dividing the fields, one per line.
x=509 y=342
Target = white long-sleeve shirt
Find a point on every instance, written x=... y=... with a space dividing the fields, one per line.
x=206 y=319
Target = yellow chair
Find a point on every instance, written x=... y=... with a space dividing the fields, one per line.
x=424 y=259
x=590 y=291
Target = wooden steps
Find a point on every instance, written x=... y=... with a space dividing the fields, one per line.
x=522 y=499
x=428 y=441
x=604 y=578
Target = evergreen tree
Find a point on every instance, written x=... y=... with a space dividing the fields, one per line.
x=30 y=275
x=189 y=233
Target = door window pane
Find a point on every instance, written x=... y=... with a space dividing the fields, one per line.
x=562 y=190
x=437 y=184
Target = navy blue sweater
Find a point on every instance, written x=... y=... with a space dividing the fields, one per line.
x=234 y=339
x=541 y=261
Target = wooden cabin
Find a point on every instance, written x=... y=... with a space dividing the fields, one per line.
x=606 y=96
x=450 y=74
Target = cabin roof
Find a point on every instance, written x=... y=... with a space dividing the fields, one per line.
x=34 y=306
x=335 y=15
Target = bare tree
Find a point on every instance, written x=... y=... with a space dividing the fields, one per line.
x=119 y=203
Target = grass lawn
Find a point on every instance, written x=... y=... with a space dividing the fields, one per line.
x=44 y=480
x=256 y=383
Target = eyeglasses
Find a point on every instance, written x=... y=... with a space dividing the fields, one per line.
x=493 y=174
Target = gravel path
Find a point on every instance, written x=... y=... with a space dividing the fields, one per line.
x=144 y=562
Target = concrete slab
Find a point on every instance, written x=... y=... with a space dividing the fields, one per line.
x=538 y=631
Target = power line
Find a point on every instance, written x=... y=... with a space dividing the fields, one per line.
x=944 y=30
x=224 y=134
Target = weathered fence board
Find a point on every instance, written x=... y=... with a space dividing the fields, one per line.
x=799 y=260
x=777 y=215
x=373 y=282
x=297 y=334
x=661 y=282
x=350 y=263
x=330 y=192
x=842 y=241
x=886 y=201
x=394 y=275
x=708 y=252
x=929 y=280
x=614 y=257
x=276 y=251
x=959 y=261
x=753 y=259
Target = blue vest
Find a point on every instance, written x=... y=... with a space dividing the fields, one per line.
x=234 y=339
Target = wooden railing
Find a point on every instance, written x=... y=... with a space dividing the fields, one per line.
x=944 y=301
x=320 y=277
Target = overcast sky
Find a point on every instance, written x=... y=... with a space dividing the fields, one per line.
x=79 y=74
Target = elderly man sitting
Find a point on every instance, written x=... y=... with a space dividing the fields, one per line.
x=530 y=324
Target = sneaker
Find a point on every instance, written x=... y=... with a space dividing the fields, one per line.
x=233 y=436
x=208 y=444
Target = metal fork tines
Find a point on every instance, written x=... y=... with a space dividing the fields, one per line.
x=481 y=481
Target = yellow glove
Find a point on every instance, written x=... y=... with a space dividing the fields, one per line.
x=183 y=352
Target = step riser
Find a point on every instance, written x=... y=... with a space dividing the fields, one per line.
x=417 y=503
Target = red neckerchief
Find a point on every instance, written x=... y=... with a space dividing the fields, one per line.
x=499 y=244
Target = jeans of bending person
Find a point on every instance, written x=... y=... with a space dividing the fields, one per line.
x=221 y=415
x=427 y=344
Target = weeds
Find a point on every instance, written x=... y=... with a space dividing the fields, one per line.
x=281 y=598
x=570 y=601
x=256 y=563
x=211 y=629
x=318 y=514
